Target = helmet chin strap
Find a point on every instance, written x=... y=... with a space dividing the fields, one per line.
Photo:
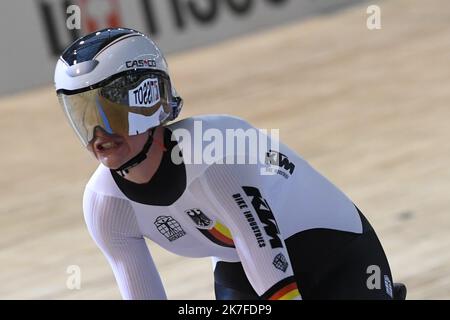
x=124 y=169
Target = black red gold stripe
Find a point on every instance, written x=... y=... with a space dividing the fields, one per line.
x=219 y=234
x=285 y=289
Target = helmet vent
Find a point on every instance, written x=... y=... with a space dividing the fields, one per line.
x=87 y=47
x=79 y=69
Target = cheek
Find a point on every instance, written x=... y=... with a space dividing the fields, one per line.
x=136 y=143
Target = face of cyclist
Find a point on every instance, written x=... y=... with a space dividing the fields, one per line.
x=113 y=150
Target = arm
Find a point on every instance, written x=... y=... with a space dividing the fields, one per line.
x=240 y=194
x=112 y=224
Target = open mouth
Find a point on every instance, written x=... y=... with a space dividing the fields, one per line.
x=103 y=146
x=106 y=146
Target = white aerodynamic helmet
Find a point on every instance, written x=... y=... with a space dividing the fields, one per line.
x=116 y=79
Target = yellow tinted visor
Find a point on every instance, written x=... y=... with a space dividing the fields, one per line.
x=123 y=110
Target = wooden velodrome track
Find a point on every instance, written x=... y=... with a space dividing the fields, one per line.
x=369 y=109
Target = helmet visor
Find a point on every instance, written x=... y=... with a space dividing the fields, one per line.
x=126 y=105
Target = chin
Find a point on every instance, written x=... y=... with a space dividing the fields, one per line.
x=111 y=163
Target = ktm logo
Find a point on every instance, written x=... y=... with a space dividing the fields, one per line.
x=140 y=63
x=265 y=215
x=280 y=160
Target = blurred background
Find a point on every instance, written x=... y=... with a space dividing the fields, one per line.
x=364 y=100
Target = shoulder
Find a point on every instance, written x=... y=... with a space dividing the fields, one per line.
x=106 y=209
x=108 y=217
x=208 y=139
x=102 y=182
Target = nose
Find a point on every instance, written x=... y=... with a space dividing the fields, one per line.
x=102 y=134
